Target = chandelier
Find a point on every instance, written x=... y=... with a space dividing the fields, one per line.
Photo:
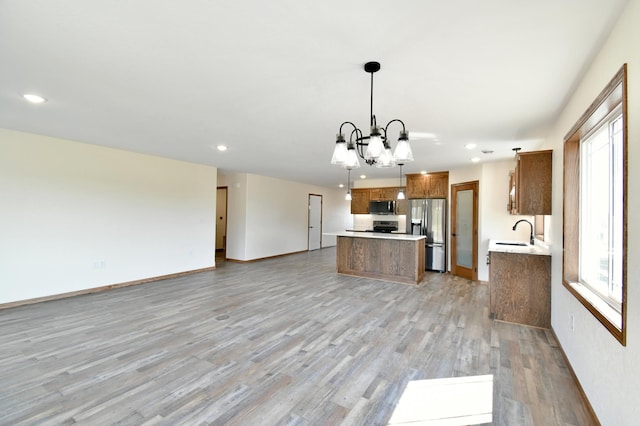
x=374 y=149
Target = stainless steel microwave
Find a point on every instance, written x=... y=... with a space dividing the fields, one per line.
x=382 y=207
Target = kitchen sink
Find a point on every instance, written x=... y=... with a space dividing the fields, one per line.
x=512 y=244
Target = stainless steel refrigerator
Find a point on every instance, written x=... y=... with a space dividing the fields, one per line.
x=428 y=217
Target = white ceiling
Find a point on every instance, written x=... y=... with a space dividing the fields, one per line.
x=274 y=80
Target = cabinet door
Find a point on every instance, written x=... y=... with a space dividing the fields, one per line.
x=360 y=201
x=533 y=183
x=375 y=194
x=438 y=185
x=416 y=186
x=389 y=193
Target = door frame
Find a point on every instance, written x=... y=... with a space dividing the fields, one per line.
x=309 y=219
x=226 y=214
x=469 y=273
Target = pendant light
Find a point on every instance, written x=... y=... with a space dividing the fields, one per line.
x=400 y=192
x=348 y=196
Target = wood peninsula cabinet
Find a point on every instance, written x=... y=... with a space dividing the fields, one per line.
x=530 y=184
x=431 y=185
x=520 y=287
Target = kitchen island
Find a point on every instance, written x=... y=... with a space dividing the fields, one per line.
x=383 y=256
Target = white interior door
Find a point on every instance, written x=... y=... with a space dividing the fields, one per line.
x=315 y=221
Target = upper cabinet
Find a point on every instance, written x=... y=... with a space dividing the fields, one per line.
x=432 y=185
x=383 y=194
x=360 y=200
x=530 y=184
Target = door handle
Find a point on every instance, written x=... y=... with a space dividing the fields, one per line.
x=453 y=235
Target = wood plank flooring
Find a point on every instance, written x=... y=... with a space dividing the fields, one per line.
x=284 y=341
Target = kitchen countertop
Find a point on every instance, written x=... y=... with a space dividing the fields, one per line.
x=378 y=235
x=539 y=248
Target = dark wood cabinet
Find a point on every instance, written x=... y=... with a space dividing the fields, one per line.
x=531 y=184
x=520 y=288
x=431 y=185
x=360 y=200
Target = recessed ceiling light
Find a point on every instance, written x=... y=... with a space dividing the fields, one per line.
x=341 y=185
x=475 y=159
x=470 y=145
x=423 y=172
x=363 y=176
x=35 y=99
x=221 y=147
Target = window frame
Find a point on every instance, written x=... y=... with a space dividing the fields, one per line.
x=612 y=97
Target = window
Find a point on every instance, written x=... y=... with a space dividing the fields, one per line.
x=594 y=261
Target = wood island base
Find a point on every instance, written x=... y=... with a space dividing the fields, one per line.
x=384 y=258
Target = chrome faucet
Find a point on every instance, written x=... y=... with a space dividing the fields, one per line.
x=530 y=224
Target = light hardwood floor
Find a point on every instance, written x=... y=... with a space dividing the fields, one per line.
x=280 y=341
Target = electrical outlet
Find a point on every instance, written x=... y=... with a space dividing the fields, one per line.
x=573 y=322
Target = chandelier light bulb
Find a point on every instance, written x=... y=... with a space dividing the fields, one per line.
x=340 y=152
x=375 y=147
x=352 y=161
x=386 y=158
x=403 y=152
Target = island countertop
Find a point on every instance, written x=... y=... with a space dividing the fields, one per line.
x=378 y=235
x=504 y=246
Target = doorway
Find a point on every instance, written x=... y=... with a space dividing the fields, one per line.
x=464 y=230
x=315 y=221
x=221 y=220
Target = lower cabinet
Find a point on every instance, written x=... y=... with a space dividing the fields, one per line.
x=385 y=258
x=520 y=288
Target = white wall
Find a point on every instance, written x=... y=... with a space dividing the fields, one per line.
x=608 y=372
x=269 y=216
x=378 y=183
x=76 y=216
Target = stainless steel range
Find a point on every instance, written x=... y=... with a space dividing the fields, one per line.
x=384 y=226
